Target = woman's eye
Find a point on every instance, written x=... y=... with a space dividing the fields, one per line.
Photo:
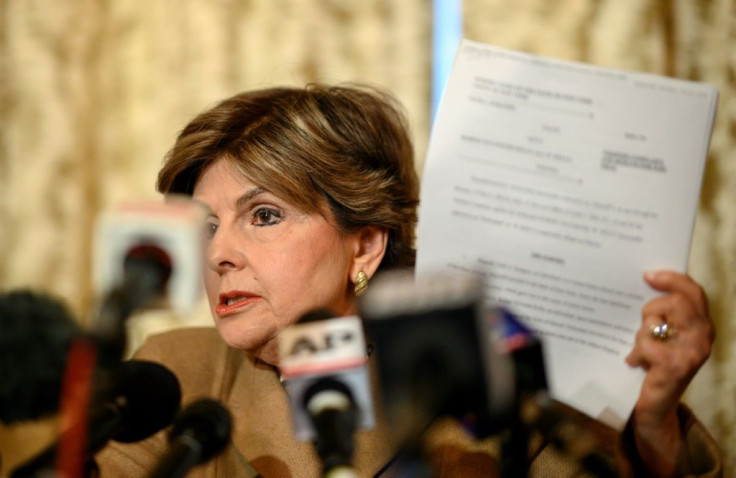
x=210 y=228
x=266 y=217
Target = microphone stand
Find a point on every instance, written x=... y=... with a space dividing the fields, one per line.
x=143 y=281
x=533 y=409
x=515 y=449
x=334 y=415
x=567 y=435
x=335 y=442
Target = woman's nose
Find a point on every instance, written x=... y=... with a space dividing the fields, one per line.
x=225 y=251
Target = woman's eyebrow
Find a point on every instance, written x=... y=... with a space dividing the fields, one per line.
x=248 y=195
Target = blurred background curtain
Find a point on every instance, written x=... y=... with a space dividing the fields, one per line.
x=94 y=92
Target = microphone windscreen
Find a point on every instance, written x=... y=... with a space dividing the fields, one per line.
x=36 y=331
x=150 y=397
x=150 y=262
x=208 y=422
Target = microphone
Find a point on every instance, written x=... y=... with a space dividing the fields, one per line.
x=441 y=352
x=323 y=361
x=436 y=352
x=146 y=254
x=200 y=432
x=135 y=400
x=36 y=332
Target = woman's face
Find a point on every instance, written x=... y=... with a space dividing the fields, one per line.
x=267 y=261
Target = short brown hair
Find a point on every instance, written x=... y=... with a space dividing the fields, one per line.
x=347 y=144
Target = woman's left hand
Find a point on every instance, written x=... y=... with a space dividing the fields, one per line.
x=670 y=364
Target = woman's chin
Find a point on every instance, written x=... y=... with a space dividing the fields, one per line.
x=261 y=347
x=238 y=338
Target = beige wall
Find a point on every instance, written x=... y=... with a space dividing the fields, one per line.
x=93 y=92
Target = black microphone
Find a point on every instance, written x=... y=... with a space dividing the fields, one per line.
x=443 y=352
x=436 y=354
x=36 y=332
x=135 y=400
x=145 y=274
x=200 y=431
x=323 y=359
x=334 y=415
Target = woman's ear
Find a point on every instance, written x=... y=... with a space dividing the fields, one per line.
x=370 y=249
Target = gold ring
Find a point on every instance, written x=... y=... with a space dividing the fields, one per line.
x=662 y=331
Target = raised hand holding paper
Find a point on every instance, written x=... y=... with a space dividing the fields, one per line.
x=561 y=183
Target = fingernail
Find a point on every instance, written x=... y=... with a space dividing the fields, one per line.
x=650 y=275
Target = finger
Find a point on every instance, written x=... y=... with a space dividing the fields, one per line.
x=636 y=358
x=680 y=314
x=675 y=309
x=675 y=282
x=678 y=356
x=647 y=350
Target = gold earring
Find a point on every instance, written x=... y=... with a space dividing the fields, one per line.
x=361 y=283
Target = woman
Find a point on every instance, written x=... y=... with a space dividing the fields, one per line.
x=310 y=192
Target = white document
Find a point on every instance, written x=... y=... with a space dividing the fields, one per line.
x=561 y=183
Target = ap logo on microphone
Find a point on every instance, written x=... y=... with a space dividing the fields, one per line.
x=325 y=355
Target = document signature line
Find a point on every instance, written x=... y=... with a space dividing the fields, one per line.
x=521 y=169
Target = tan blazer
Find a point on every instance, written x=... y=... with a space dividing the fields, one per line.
x=263 y=442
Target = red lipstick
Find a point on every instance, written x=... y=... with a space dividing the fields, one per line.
x=233 y=302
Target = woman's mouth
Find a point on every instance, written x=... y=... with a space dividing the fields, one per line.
x=233 y=302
